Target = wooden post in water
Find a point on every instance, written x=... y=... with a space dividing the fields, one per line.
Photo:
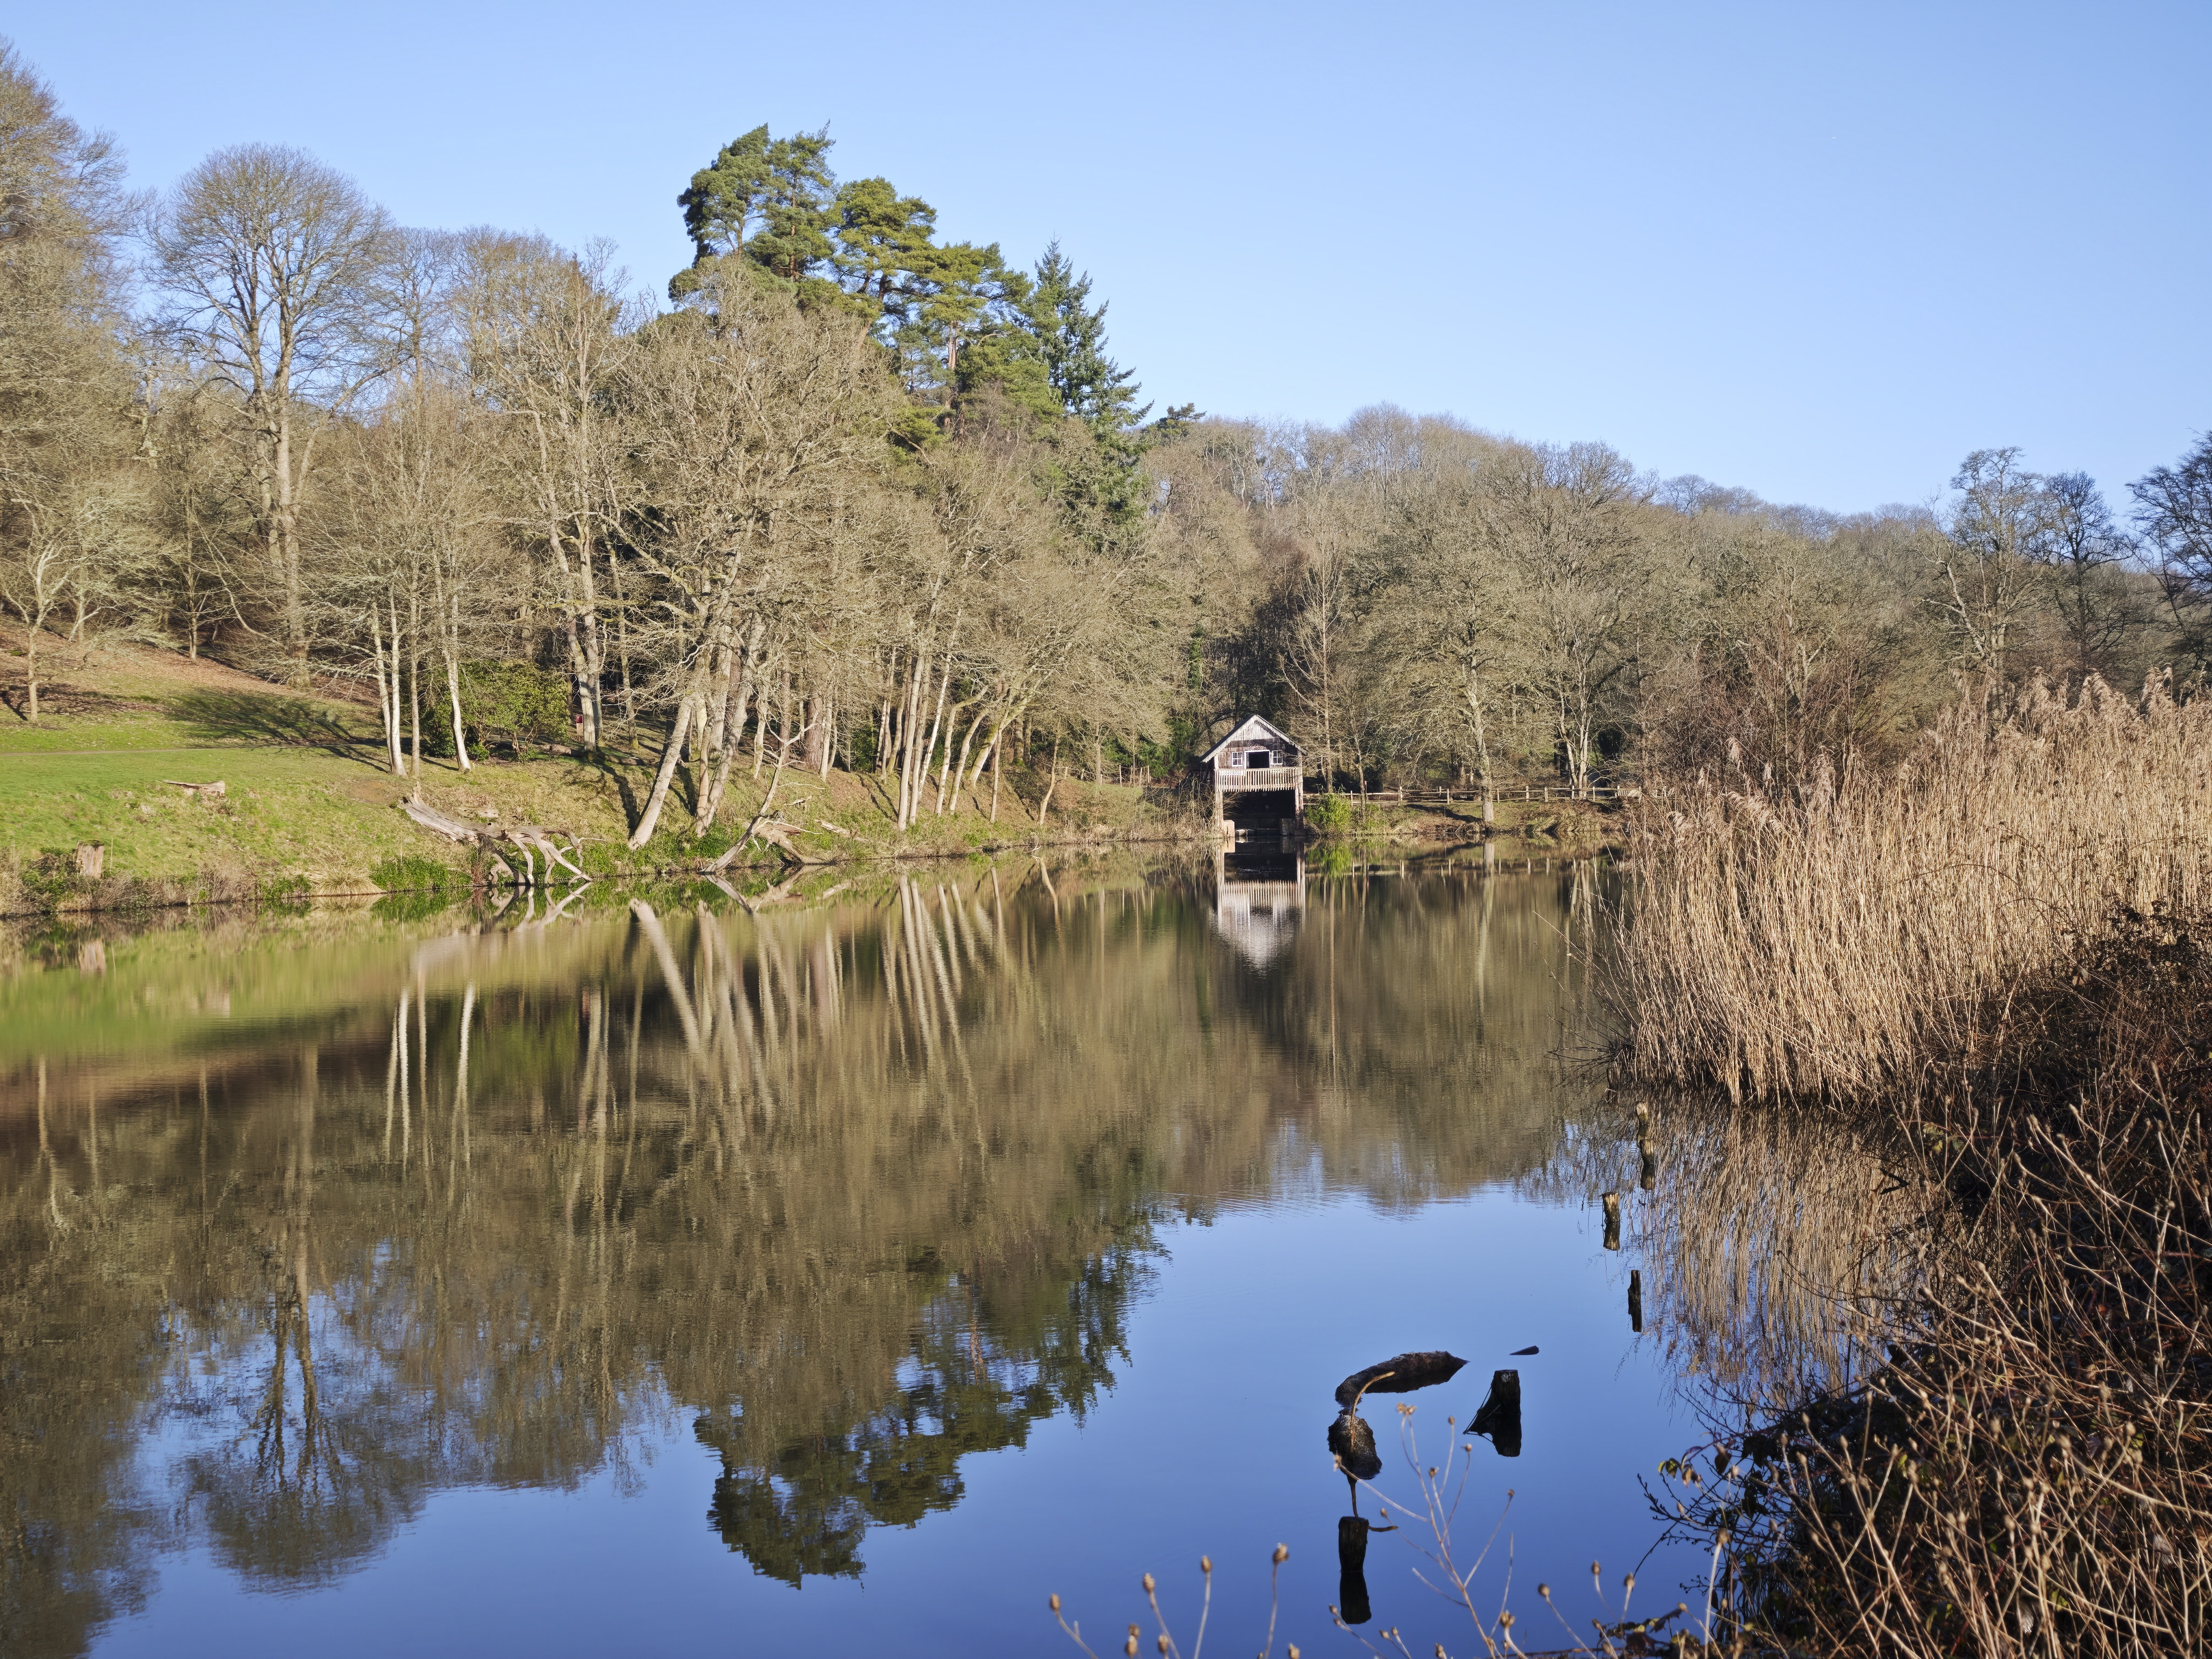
x=1636 y=1300
x=1352 y=1570
x=1647 y=1177
x=1612 y=1202
x=1499 y=1414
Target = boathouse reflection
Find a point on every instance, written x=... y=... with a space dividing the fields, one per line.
x=1260 y=897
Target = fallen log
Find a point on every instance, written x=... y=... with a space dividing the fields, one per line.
x=439 y=824
x=528 y=839
x=215 y=789
x=1401 y=1375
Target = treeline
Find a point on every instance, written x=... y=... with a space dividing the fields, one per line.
x=1421 y=599
x=860 y=496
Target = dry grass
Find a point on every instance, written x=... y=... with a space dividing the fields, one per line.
x=1795 y=941
x=1998 y=965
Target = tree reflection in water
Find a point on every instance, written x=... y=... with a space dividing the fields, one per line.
x=860 y=1190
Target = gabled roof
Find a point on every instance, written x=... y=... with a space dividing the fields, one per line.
x=1254 y=726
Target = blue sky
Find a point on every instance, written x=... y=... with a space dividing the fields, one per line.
x=1817 y=251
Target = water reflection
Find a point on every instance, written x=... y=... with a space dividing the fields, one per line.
x=1260 y=897
x=301 y=1232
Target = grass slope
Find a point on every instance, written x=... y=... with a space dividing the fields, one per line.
x=310 y=807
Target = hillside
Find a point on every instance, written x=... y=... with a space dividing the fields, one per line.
x=310 y=808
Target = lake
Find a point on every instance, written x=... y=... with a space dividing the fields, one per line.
x=658 y=1276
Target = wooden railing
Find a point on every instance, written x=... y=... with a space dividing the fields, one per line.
x=1258 y=777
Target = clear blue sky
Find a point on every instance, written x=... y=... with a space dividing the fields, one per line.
x=1818 y=251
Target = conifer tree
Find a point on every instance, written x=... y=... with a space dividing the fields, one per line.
x=1072 y=337
x=766 y=199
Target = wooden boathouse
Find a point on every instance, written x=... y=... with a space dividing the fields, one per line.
x=1259 y=779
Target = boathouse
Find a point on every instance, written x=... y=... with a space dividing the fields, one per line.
x=1259 y=779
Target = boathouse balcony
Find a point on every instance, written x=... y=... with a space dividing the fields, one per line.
x=1259 y=777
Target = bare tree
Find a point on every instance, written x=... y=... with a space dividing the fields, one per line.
x=1989 y=578
x=747 y=425
x=273 y=266
x=547 y=341
x=66 y=515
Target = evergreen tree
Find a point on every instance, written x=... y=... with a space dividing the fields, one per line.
x=1072 y=338
x=767 y=200
x=882 y=239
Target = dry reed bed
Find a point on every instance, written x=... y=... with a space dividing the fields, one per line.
x=1998 y=964
x=1810 y=941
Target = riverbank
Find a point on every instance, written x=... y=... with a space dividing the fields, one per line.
x=132 y=741
x=201 y=784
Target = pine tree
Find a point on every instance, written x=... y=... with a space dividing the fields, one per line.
x=766 y=201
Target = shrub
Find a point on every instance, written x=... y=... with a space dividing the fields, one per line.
x=517 y=705
x=1330 y=814
x=1807 y=938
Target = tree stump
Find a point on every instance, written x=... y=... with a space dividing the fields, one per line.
x=1498 y=1417
x=1612 y=1202
x=1636 y=1300
x=91 y=859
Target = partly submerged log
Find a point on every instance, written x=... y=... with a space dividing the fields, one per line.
x=1636 y=1300
x=1498 y=1417
x=1351 y=1602
x=1612 y=1202
x=1353 y=1443
x=1401 y=1375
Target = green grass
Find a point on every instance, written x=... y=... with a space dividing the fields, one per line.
x=311 y=806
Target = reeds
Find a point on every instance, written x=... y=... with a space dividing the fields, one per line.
x=1804 y=939
x=1996 y=961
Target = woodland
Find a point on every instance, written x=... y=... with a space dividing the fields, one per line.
x=857 y=496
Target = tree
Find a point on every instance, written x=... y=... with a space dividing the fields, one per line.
x=2078 y=540
x=1070 y=334
x=548 y=338
x=1989 y=578
x=2173 y=510
x=65 y=516
x=748 y=421
x=273 y=268
x=763 y=202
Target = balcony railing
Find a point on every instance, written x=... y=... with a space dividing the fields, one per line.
x=1257 y=777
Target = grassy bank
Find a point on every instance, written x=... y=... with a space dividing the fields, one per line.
x=310 y=807
x=1996 y=965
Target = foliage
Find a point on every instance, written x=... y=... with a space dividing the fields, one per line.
x=516 y=705
x=1330 y=814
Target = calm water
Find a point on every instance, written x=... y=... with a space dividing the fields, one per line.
x=661 y=1278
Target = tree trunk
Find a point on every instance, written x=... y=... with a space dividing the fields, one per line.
x=387 y=694
x=415 y=705
x=949 y=781
x=1051 y=783
x=453 y=691
x=679 y=726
